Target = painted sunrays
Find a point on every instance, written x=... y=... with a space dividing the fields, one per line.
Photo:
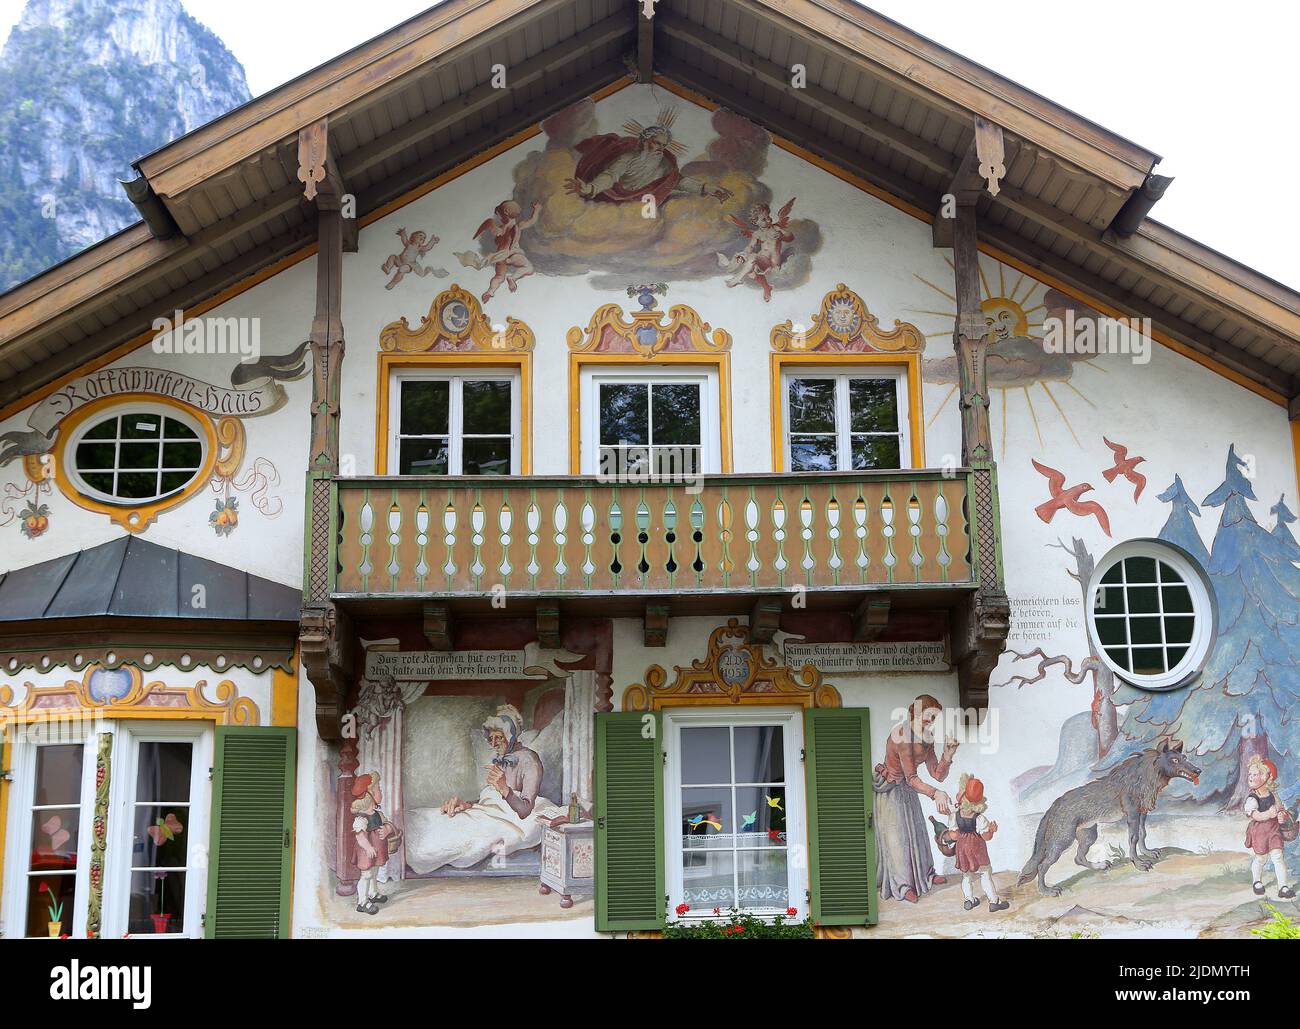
x=1015 y=308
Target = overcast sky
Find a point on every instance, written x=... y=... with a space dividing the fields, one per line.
x=1212 y=88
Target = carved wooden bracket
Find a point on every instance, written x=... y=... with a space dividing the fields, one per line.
x=870 y=619
x=437 y=626
x=325 y=640
x=989 y=148
x=764 y=620
x=313 y=151
x=656 y=625
x=979 y=638
x=548 y=626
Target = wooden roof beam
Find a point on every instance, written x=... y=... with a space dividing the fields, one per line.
x=481 y=97
x=227 y=274
x=444 y=32
x=645 y=41
x=716 y=48
x=783 y=125
x=1106 y=292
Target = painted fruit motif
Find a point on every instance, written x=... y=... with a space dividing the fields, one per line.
x=35 y=520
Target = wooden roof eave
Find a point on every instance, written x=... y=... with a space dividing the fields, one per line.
x=927 y=70
x=266 y=121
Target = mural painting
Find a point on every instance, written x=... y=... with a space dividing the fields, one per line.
x=407 y=261
x=132 y=470
x=457 y=781
x=645 y=200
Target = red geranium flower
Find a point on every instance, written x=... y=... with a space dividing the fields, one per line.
x=792 y=912
x=683 y=908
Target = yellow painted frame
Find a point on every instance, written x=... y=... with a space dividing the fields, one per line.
x=284 y=694
x=910 y=363
x=133 y=517
x=228 y=709
x=5 y=757
x=521 y=361
x=721 y=361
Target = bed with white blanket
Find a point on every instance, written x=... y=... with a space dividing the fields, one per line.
x=488 y=838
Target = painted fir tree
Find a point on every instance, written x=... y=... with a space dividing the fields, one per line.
x=1247 y=699
x=1179 y=529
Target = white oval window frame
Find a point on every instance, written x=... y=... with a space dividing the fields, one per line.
x=122 y=411
x=1204 y=608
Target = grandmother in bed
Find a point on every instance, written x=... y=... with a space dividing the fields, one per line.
x=515 y=771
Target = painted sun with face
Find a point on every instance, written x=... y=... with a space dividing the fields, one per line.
x=1014 y=306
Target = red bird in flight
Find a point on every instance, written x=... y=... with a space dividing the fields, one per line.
x=1068 y=498
x=1125 y=465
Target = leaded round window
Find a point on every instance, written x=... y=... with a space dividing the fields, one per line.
x=1151 y=614
x=136 y=456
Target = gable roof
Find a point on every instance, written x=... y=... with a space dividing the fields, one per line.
x=882 y=104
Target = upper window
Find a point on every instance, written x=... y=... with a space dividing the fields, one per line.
x=1150 y=614
x=846 y=421
x=735 y=808
x=455 y=424
x=650 y=423
x=138 y=455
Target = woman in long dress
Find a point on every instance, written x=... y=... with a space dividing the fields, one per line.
x=904 y=862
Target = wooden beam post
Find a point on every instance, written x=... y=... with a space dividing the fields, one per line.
x=437 y=626
x=645 y=41
x=982 y=623
x=325 y=634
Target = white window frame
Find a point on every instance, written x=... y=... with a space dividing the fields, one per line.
x=1203 y=608
x=796 y=832
x=121 y=821
x=116 y=882
x=841 y=375
x=124 y=411
x=706 y=377
x=455 y=412
x=22 y=795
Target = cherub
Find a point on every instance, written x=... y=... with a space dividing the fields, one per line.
x=764 y=252
x=407 y=261
x=508 y=260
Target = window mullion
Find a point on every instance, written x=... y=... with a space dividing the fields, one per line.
x=455 y=428
x=844 y=443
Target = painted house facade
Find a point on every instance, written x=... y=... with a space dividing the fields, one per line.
x=554 y=472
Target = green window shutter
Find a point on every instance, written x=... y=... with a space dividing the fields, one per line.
x=629 y=785
x=842 y=864
x=252 y=833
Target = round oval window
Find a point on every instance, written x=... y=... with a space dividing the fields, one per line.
x=137 y=456
x=1151 y=614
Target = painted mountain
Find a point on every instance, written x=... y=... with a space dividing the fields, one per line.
x=86 y=87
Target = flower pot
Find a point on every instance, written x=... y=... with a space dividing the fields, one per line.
x=160 y=922
x=55 y=929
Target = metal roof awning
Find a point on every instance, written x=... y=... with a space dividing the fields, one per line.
x=129 y=601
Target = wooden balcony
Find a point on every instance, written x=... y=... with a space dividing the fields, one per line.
x=568 y=537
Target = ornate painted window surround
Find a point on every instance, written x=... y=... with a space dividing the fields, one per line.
x=224 y=434
x=845 y=333
x=455 y=334
x=646 y=340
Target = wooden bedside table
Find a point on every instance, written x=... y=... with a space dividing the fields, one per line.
x=568 y=861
